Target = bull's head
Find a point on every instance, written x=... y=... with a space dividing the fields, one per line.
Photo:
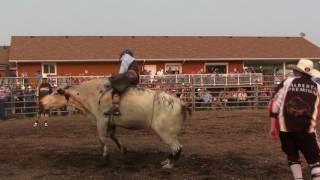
x=86 y=97
x=62 y=96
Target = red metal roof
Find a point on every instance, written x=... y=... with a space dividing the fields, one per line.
x=159 y=47
x=4 y=54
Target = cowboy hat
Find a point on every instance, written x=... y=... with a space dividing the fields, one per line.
x=306 y=66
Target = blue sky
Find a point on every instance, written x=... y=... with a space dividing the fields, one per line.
x=160 y=17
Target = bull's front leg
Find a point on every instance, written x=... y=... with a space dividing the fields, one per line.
x=101 y=127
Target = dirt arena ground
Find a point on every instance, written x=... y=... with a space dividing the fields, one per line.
x=217 y=145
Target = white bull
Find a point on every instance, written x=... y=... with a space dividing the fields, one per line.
x=140 y=108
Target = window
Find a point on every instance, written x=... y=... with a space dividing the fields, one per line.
x=173 y=68
x=270 y=68
x=219 y=68
x=150 y=69
x=49 y=68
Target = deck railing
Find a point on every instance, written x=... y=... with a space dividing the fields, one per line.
x=205 y=79
x=196 y=79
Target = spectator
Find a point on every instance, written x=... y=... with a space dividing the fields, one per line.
x=76 y=81
x=235 y=71
x=18 y=98
x=30 y=101
x=182 y=95
x=232 y=98
x=201 y=71
x=234 y=74
x=242 y=97
x=261 y=70
x=169 y=71
x=206 y=99
x=25 y=78
x=37 y=77
x=223 y=98
x=216 y=101
x=4 y=93
x=264 y=96
x=251 y=70
x=144 y=72
x=198 y=99
x=246 y=70
x=160 y=72
x=216 y=71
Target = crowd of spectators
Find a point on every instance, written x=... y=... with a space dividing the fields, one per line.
x=18 y=96
x=205 y=99
x=17 y=100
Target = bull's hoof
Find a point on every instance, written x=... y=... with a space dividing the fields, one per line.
x=167 y=161
x=123 y=150
x=105 y=157
x=104 y=163
x=168 y=166
x=112 y=113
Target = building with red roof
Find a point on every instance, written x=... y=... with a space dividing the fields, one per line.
x=99 y=55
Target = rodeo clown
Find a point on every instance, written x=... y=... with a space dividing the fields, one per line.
x=296 y=106
x=43 y=89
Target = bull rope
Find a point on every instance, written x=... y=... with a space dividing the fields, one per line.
x=102 y=94
x=110 y=121
x=153 y=105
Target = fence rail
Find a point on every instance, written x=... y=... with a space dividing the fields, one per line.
x=201 y=91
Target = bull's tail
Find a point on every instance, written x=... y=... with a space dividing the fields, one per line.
x=185 y=111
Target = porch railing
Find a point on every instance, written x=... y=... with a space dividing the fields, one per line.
x=205 y=79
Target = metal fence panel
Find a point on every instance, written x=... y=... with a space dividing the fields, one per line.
x=200 y=91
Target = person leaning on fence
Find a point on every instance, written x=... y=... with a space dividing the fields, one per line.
x=30 y=101
x=37 y=77
x=4 y=94
x=18 y=96
x=128 y=76
x=206 y=99
x=296 y=105
x=43 y=89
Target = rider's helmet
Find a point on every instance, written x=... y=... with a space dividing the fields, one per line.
x=126 y=51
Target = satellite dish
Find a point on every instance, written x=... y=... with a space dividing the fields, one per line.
x=302 y=34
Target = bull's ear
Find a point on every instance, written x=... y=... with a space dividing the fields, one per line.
x=61 y=91
x=67 y=87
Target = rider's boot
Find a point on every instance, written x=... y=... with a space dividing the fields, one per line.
x=115 y=109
